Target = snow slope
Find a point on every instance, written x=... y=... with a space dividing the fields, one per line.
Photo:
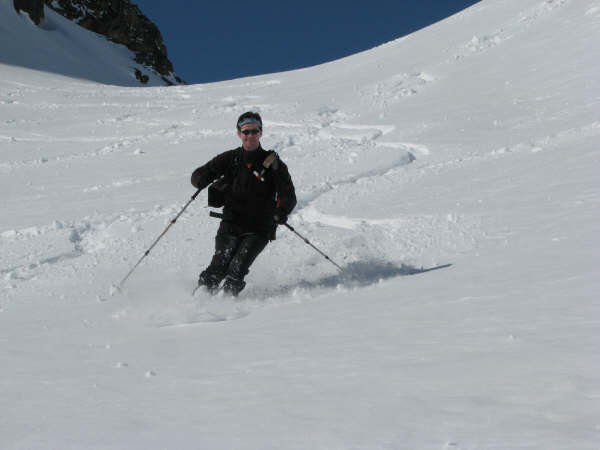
x=62 y=47
x=469 y=148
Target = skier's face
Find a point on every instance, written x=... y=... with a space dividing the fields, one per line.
x=250 y=140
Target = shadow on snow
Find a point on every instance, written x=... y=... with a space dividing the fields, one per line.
x=355 y=275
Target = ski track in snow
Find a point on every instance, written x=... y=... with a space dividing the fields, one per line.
x=45 y=250
x=512 y=28
x=395 y=88
x=534 y=145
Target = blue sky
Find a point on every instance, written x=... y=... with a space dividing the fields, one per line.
x=226 y=39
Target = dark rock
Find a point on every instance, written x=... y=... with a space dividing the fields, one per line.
x=123 y=23
x=143 y=78
x=35 y=9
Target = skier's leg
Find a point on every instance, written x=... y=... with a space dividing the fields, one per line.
x=226 y=244
x=249 y=248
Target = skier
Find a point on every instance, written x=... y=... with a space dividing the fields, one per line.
x=258 y=195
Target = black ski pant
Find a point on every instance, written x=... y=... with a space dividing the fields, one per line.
x=235 y=251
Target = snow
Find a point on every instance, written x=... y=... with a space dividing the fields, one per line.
x=452 y=173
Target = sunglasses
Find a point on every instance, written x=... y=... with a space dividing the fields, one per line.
x=253 y=132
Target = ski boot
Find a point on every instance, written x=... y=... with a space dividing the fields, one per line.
x=233 y=286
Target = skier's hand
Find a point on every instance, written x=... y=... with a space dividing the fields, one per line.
x=280 y=217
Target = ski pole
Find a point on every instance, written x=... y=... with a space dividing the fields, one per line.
x=159 y=238
x=291 y=228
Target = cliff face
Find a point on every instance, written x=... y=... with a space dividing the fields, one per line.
x=120 y=21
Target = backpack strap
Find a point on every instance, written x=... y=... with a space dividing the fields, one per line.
x=270 y=161
x=235 y=164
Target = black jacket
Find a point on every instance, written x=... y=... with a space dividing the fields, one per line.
x=250 y=202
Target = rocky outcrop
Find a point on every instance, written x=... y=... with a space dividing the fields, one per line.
x=35 y=9
x=120 y=21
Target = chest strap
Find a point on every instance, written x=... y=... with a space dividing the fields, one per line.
x=270 y=159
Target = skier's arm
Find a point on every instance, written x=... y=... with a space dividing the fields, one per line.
x=286 y=194
x=209 y=172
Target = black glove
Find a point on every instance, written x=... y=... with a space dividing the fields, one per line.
x=280 y=217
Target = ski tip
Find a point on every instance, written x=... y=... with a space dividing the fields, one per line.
x=196 y=289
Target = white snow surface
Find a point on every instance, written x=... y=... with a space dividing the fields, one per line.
x=62 y=47
x=470 y=147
